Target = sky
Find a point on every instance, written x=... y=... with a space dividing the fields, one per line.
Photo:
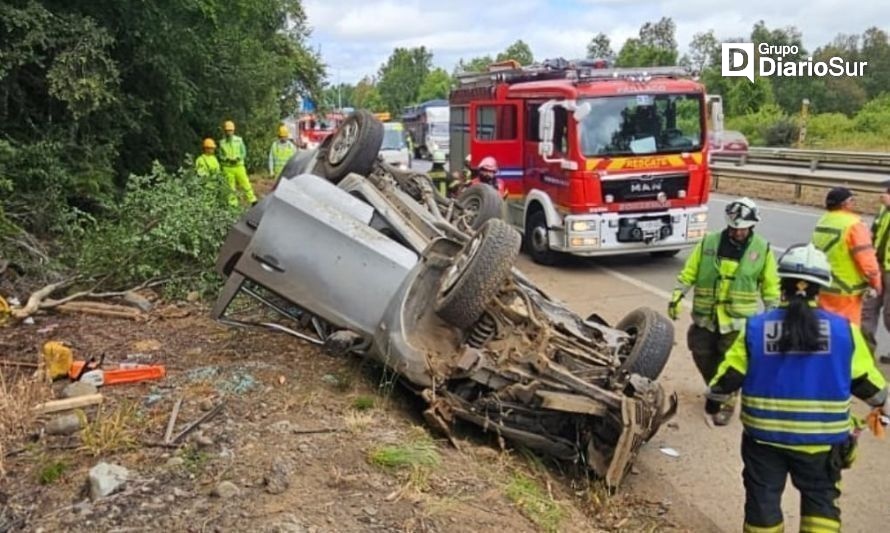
x=356 y=36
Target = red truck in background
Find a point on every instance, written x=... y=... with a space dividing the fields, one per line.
x=596 y=160
x=313 y=129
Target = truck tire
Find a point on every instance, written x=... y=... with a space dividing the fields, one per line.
x=537 y=240
x=353 y=147
x=654 y=340
x=476 y=274
x=483 y=203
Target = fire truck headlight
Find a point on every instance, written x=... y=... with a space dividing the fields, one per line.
x=609 y=198
x=583 y=225
x=583 y=242
x=662 y=197
x=698 y=218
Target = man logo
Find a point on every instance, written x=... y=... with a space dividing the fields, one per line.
x=738 y=60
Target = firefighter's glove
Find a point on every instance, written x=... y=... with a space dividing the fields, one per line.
x=674 y=306
x=714 y=400
x=877 y=421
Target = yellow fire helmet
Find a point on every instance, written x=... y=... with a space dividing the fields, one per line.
x=229 y=126
x=209 y=143
x=282 y=132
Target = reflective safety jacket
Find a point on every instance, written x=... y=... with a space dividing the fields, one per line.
x=799 y=400
x=207 y=165
x=279 y=154
x=232 y=152
x=726 y=291
x=847 y=244
x=880 y=231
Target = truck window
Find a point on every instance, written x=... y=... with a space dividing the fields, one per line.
x=532 y=122
x=560 y=130
x=496 y=122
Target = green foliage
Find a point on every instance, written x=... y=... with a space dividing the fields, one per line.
x=534 y=502
x=418 y=452
x=363 y=403
x=518 y=51
x=436 y=85
x=50 y=472
x=401 y=76
x=476 y=64
x=656 y=46
x=167 y=225
x=754 y=125
x=366 y=95
x=600 y=47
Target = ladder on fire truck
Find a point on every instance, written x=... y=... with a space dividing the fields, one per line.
x=576 y=70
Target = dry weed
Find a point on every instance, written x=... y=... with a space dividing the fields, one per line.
x=18 y=395
x=110 y=431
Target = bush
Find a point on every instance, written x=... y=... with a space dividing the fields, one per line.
x=783 y=132
x=166 y=226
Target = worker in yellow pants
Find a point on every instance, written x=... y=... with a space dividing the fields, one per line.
x=232 y=153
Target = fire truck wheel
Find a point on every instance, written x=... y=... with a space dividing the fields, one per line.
x=537 y=240
x=353 y=147
x=481 y=203
x=477 y=273
x=654 y=339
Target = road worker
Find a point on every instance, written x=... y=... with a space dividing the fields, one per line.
x=206 y=165
x=797 y=367
x=281 y=151
x=232 y=155
x=728 y=272
x=846 y=241
x=873 y=308
x=439 y=175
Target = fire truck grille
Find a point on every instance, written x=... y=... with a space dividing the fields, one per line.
x=640 y=188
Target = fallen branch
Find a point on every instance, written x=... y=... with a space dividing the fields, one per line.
x=172 y=422
x=191 y=427
x=315 y=431
x=37 y=298
x=26 y=364
x=95 y=308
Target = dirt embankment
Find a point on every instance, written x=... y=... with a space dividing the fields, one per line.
x=303 y=442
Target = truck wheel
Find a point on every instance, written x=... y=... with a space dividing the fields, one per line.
x=653 y=340
x=481 y=203
x=353 y=147
x=476 y=274
x=537 y=240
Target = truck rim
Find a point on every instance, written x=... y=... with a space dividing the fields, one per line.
x=343 y=142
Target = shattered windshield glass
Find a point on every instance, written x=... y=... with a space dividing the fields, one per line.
x=642 y=124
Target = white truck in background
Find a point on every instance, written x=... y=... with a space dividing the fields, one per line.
x=427 y=123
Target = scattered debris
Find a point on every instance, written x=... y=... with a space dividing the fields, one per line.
x=125 y=373
x=66 y=424
x=670 y=452
x=68 y=403
x=106 y=478
x=226 y=490
x=57 y=359
x=191 y=427
x=134 y=298
x=171 y=424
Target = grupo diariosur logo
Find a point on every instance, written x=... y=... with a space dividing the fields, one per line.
x=738 y=60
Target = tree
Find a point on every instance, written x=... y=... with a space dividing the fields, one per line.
x=518 y=51
x=436 y=85
x=656 y=46
x=401 y=76
x=876 y=50
x=600 y=47
x=704 y=51
x=789 y=92
x=340 y=95
x=476 y=64
x=366 y=96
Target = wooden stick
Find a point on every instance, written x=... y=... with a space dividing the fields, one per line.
x=172 y=422
x=189 y=428
x=130 y=313
x=68 y=403
x=314 y=431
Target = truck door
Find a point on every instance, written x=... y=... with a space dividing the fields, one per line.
x=496 y=128
x=550 y=173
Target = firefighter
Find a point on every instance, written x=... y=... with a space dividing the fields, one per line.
x=728 y=271
x=233 y=153
x=207 y=165
x=846 y=241
x=797 y=367
x=873 y=308
x=439 y=175
x=487 y=172
x=280 y=152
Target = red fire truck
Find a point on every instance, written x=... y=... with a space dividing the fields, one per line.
x=596 y=160
x=312 y=128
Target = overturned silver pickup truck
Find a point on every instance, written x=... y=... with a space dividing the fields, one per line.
x=362 y=257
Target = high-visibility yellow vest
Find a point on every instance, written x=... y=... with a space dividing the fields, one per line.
x=281 y=152
x=735 y=284
x=232 y=151
x=881 y=232
x=207 y=165
x=830 y=236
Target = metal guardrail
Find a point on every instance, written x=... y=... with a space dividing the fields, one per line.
x=813 y=160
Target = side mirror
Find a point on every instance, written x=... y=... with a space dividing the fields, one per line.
x=545 y=129
x=715 y=103
x=582 y=111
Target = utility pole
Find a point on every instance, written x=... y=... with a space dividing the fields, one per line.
x=339 y=89
x=804 y=115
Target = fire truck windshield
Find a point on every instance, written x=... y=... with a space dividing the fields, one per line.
x=642 y=124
